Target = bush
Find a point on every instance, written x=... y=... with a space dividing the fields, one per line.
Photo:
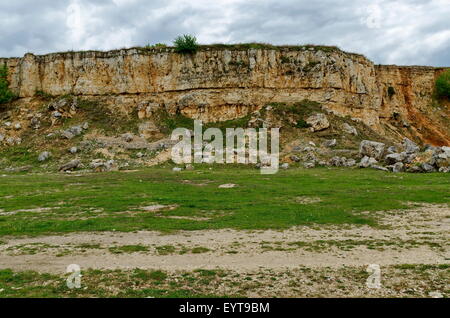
x=443 y=85
x=5 y=94
x=391 y=91
x=186 y=44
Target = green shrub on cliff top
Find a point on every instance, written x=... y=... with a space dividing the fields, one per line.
x=443 y=85
x=186 y=44
x=5 y=94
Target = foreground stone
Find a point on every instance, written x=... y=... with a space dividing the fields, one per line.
x=70 y=165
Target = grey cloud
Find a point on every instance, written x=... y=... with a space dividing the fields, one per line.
x=386 y=31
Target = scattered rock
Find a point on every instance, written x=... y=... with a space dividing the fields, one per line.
x=396 y=157
x=56 y=114
x=85 y=126
x=13 y=141
x=35 y=123
x=410 y=146
x=427 y=167
x=444 y=169
x=43 y=156
x=99 y=165
x=398 y=167
x=2 y=138
x=72 y=132
x=379 y=168
x=371 y=149
x=17 y=126
x=350 y=163
x=227 y=186
x=73 y=150
x=71 y=165
x=367 y=162
x=177 y=169
x=349 y=129
x=318 y=122
x=189 y=167
x=284 y=166
x=295 y=158
x=391 y=150
x=330 y=143
x=128 y=137
x=139 y=155
x=309 y=165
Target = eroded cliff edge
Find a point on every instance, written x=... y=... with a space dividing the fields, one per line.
x=222 y=84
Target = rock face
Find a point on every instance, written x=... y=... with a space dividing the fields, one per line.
x=220 y=83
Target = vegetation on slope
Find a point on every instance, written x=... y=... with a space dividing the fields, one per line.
x=443 y=85
x=5 y=93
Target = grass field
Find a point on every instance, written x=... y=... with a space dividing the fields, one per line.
x=55 y=203
x=158 y=199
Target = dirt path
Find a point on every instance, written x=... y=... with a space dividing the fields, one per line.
x=419 y=235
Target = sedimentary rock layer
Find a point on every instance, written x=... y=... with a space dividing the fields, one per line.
x=221 y=84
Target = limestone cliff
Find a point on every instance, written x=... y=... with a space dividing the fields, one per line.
x=221 y=84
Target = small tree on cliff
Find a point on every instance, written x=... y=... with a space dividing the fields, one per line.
x=443 y=85
x=186 y=44
x=5 y=94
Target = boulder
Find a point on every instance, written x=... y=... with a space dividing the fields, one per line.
x=398 y=167
x=330 y=143
x=70 y=165
x=128 y=137
x=367 y=162
x=371 y=149
x=177 y=169
x=410 y=146
x=350 y=163
x=318 y=122
x=295 y=158
x=391 y=150
x=73 y=150
x=349 y=129
x=100 y=165
x=427 y=167
x=395 y=157
x=43 y=156
x=309 y=165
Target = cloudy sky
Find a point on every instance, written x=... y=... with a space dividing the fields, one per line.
x=387 y=31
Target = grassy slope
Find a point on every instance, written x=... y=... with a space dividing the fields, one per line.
x=111 y=201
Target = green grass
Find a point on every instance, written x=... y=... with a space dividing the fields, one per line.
x=259 y=202
x=128 y=249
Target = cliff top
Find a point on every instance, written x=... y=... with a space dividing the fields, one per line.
x=209 y=47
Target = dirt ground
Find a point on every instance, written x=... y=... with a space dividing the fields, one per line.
x=419 y=235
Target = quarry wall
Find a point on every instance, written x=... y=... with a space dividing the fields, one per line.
x=222 y=84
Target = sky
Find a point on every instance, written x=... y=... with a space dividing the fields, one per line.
x=402 y=32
